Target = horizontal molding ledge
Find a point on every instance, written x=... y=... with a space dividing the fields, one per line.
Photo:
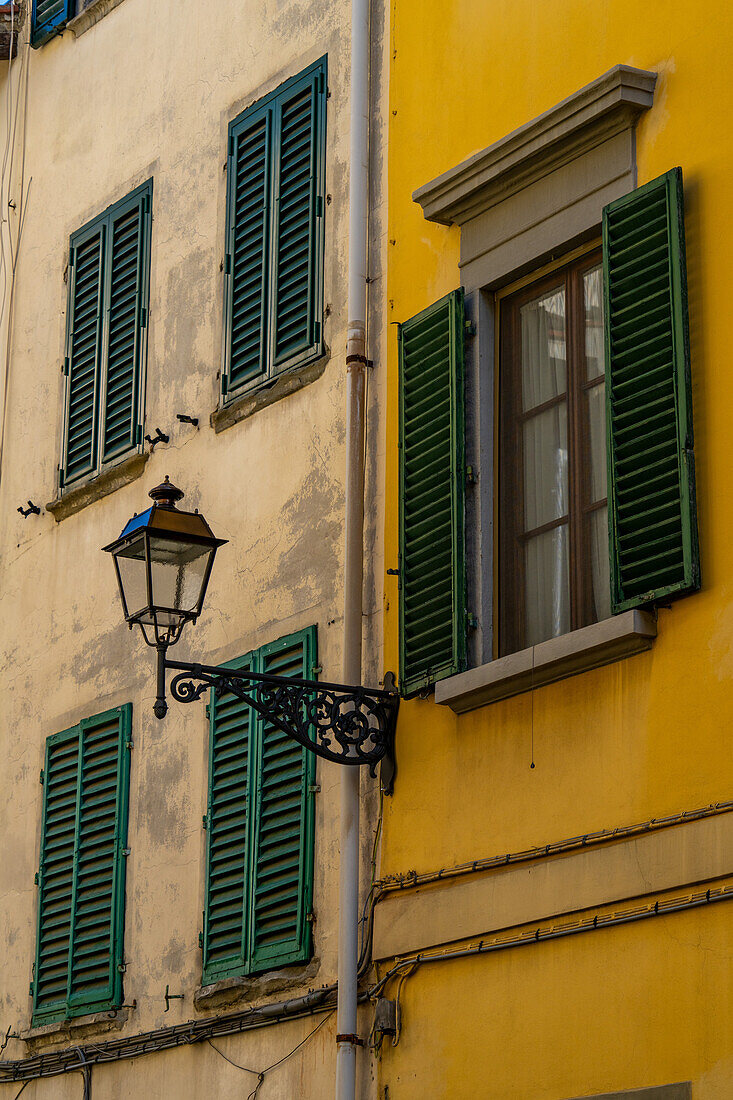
x=462 y=909
x=579 y=651
x=605 y=107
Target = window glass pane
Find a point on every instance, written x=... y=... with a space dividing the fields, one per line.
x=547 y=586
x=593 y=297
x=543 y=349
x=545 y=443
x=597 y=442
x=600 y=566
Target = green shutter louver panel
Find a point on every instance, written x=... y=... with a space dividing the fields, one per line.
x=49 y=18
x=227 y=886
x=84 y=352
x=295 y=256
x=652 y=511
x=432 y=490
x=248 y=235
x=125 y=333
x=283 y=826
x=82 y=871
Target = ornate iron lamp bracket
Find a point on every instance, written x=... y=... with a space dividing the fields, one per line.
x=347 y=725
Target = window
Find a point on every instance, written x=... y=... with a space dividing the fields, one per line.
x=274 y=233
x=109 y=263
x=81 y=879
x=574 y=549
x=48 y=18
x=260 y=822
x=553 y=516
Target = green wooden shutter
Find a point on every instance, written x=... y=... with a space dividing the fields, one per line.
x=282 y=826
x=84 y=346
x=82 y=872
x=432 y=491
x=248 y=202
x=126 y=299
x=652 y=511
x=227 y=857
x=298 y=217
x=49 y=18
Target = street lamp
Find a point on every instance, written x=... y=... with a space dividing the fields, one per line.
x=163 y=560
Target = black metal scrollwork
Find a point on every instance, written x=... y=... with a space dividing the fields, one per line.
x=347 y=725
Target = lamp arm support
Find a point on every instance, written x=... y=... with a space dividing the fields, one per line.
x=343 y=724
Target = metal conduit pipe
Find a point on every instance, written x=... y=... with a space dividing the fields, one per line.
x=348 y=947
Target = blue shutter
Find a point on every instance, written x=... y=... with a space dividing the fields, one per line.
x=84 y=347
x=227 y=857
x=283 y=822
x=49 y=18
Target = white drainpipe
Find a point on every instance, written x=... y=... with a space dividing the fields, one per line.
x=348 y=948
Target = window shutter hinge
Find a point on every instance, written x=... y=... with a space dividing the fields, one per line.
x=227 y=263
x=205 y=822
x=321 y=80
x=121 y=968
x=316 y=670
x=66 y=366
x=231 y=145
x=201 y=940
x=139 y=433
x=40 y=777
x=207 y=709
x=317 y=332
x=472 y=622
x=143 y=318
x=310 y=917
x=470 y=328
x=126 y=852
x=224 y=386
x=471 y=475
x=319 y=206
x=71 y=257
x=30 y=990
x=129 y=745
x=314 y=788
x=37 y=878
x=61 y=485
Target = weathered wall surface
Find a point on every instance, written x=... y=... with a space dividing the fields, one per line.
x=646 y=1004
x=149 y=92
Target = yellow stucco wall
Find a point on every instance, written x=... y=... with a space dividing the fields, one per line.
x=638 y=739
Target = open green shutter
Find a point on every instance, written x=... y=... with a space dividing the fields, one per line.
x=282 y=848
x=432 y=491
x=82 y=872
x=56 y=876
x=227 y=819
x=84 y=348
x=652 y=512
x=297 y=216
x=126 y=320
x=248 y=201
x=49 y=18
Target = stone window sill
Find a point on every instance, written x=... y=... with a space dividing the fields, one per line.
x=73 y=500
x=579 y=651
x=231 y=991
x=267 y=393
x=90 y=12
x=65 y=1031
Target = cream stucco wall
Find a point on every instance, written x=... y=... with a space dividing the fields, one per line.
x=149 y=92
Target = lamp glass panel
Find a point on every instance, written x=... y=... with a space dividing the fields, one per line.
x=133 y=575
x=178 y=572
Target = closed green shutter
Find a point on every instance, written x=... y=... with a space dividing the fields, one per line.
x=84 y=353
x=652 y=511
x=247 y=242
x=227 y=863
x=283 y=825
x=274 y=235
x=260 y=823
x=432 y=490
x=295 y=256
x=82 y=871
x=49 y=18
x=127 y=270
x=106 y=336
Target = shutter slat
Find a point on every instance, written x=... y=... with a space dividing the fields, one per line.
x=432 y=571
x=652 y=511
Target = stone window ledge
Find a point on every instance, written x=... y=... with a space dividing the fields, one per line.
x=579 y=651
x=73 y=500
x=66 y=1031
x=268 y=393
x=232 y=991
x=90 y=12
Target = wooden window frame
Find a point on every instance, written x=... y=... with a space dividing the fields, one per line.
x=567 y=274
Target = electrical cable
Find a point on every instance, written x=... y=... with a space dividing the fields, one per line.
x=24 y=1086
